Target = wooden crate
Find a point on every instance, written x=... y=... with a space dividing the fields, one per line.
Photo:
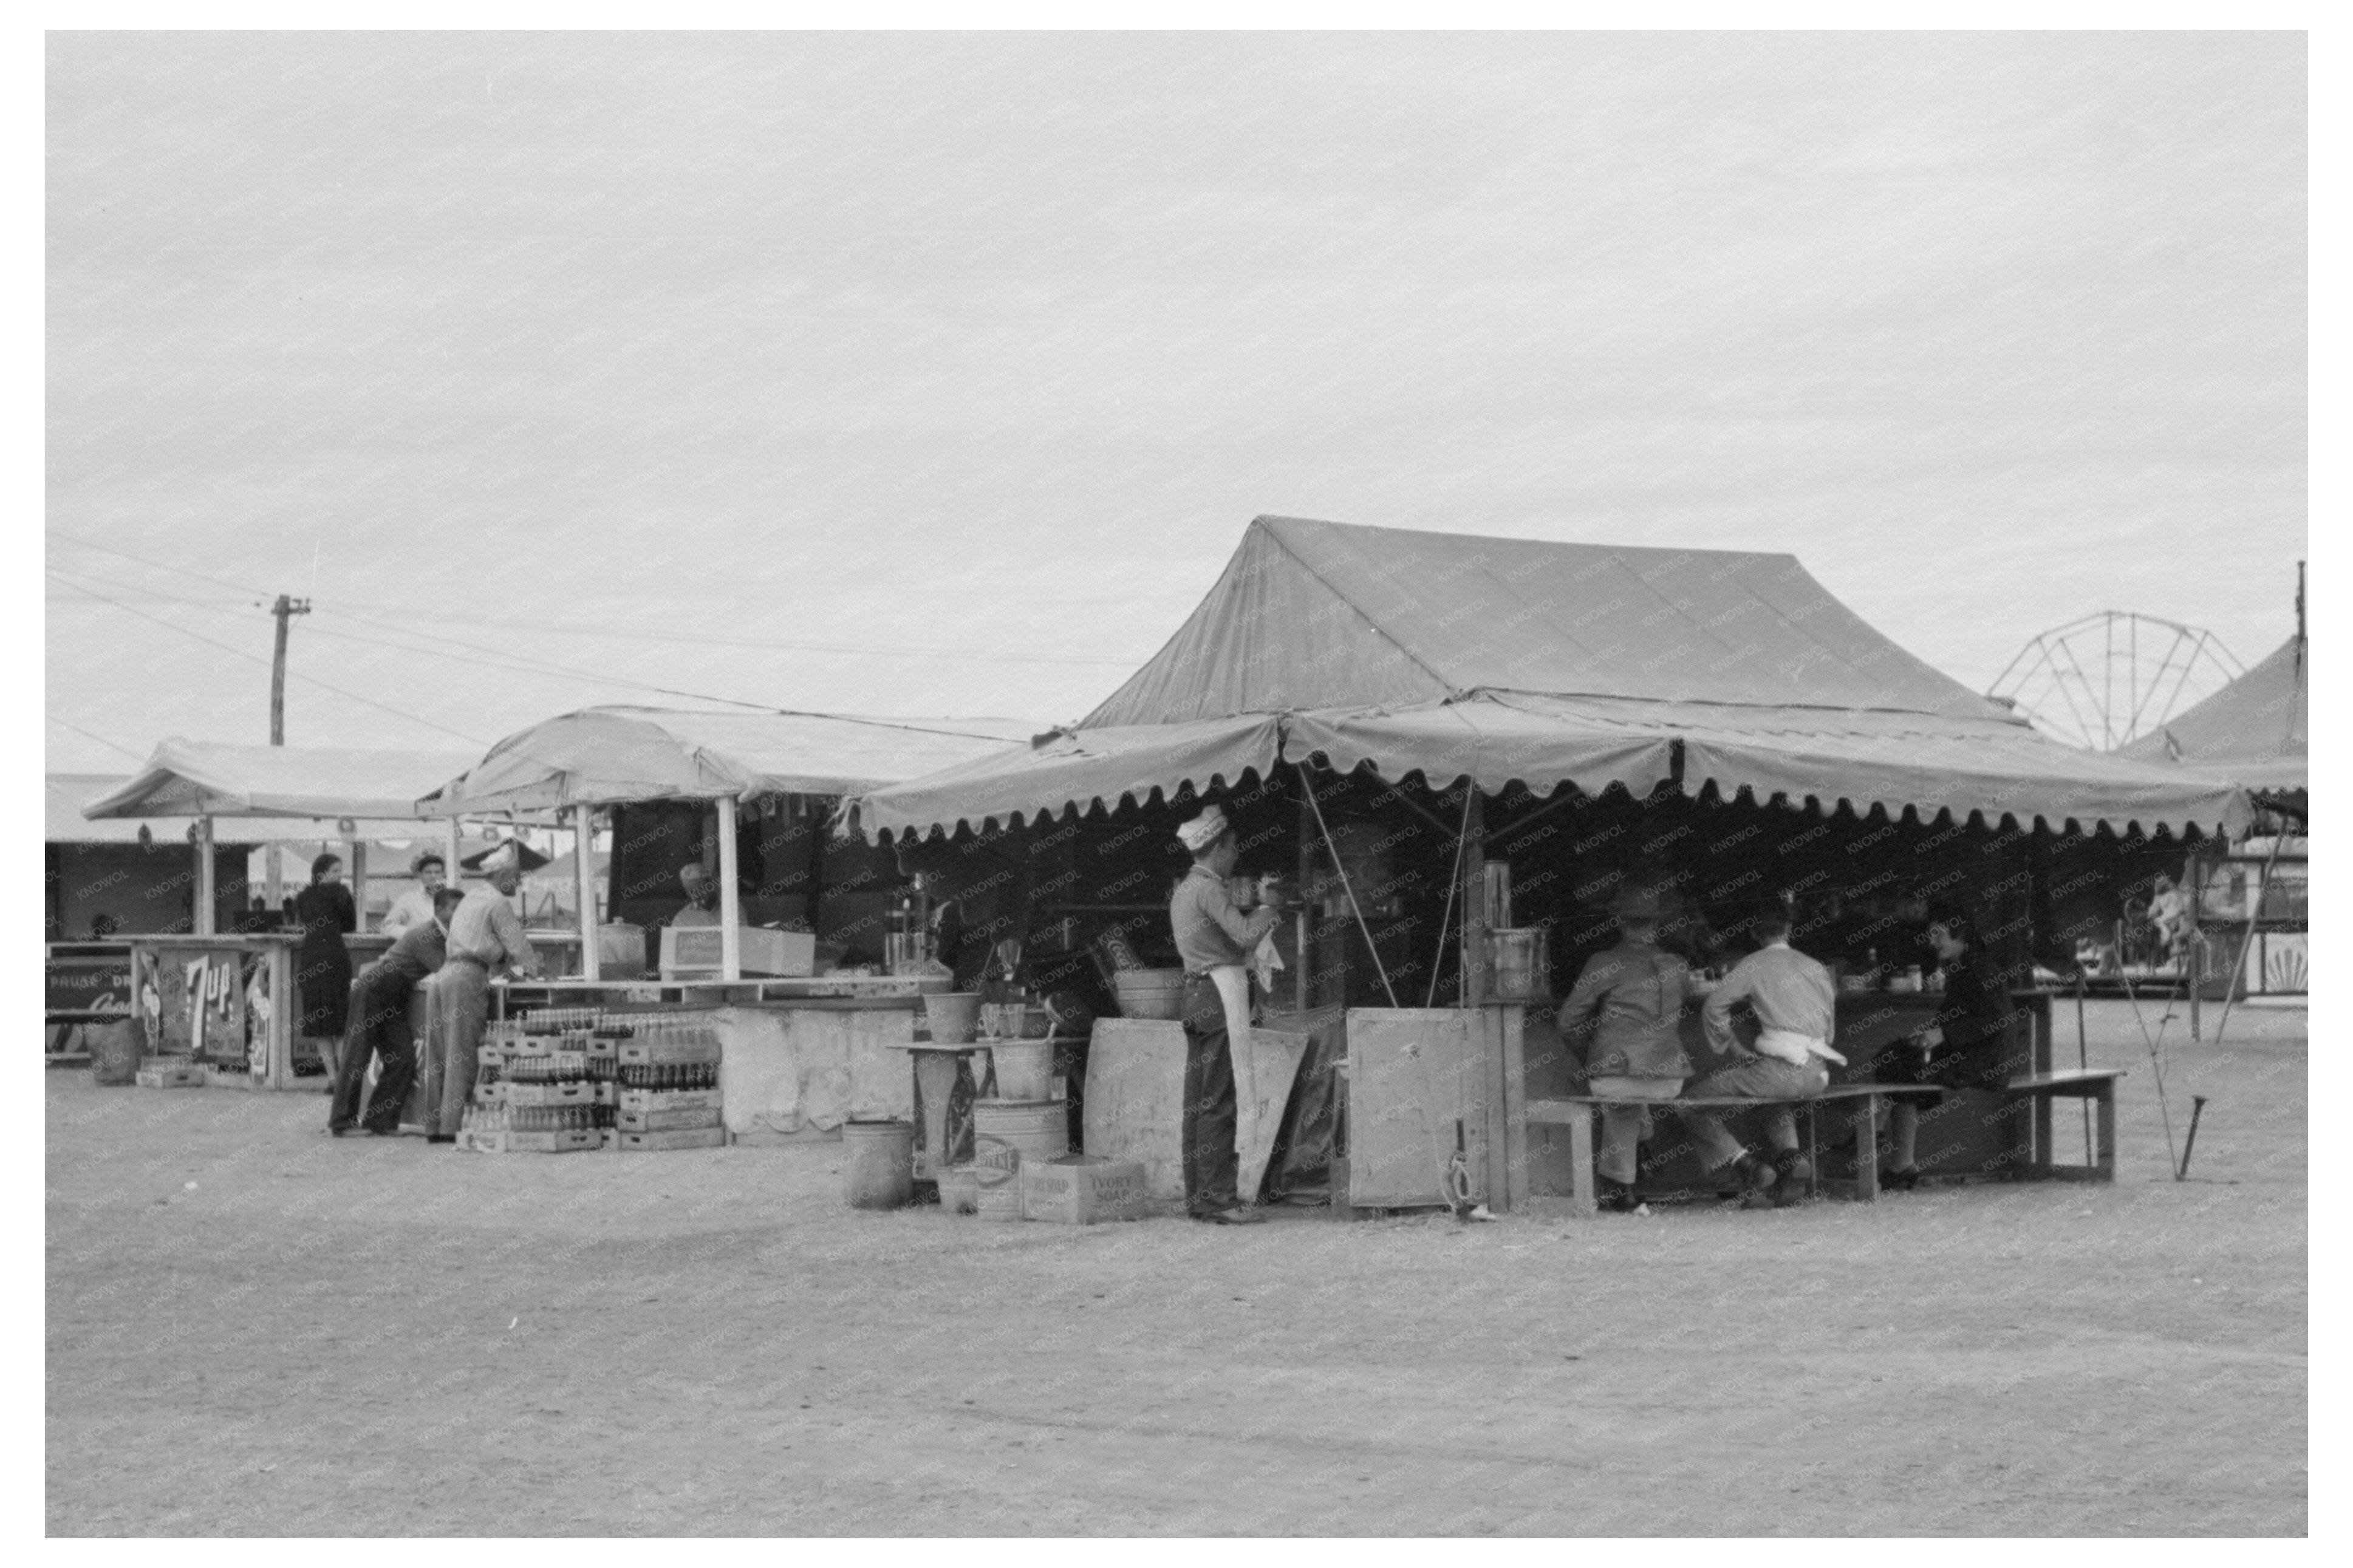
x=683 y=1137
x=170 y=1074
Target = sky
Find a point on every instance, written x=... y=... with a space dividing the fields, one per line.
x=931 y=374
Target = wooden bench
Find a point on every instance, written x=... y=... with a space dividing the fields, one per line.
x=2098 y=1085
x=1575 y=1113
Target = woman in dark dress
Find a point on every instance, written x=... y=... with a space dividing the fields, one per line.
x=324 y=912
x=1964 y=1046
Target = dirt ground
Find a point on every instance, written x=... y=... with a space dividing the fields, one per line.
x=254 y=1329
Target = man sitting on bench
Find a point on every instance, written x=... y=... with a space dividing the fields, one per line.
x=1795 y=1003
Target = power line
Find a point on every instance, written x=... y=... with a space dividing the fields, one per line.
x=143 y=561
x=255 y=658
x=693 y=638
x=496 y=659
x=989 y=656
x=88 y=735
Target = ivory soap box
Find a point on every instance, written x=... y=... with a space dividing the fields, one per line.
x=1078 y=1190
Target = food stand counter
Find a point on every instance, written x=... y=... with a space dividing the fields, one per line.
x=797 y=1057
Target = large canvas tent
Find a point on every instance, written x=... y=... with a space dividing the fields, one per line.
x=1543 y=663
x=2253 y=732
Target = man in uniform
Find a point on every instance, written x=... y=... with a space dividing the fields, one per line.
x=485 y=934
x=1623 y=1018
x=1215 y=939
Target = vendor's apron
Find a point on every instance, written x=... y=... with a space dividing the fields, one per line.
x=1789 y=1045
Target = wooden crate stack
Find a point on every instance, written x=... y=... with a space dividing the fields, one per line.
x=669 y=1091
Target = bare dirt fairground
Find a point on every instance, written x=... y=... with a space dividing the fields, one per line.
x=255 y=1329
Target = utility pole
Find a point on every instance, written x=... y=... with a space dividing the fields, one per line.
x=283 y=609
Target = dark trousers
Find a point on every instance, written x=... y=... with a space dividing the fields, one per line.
x=378 y=1024
x=1210 y=1162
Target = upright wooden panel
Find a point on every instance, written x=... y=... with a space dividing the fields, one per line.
x=1135 y=1087
x=1414 y=1073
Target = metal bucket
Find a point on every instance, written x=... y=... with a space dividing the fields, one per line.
x=879 y=1163
x=1025 y=1069
x=1150 y=993
x=1007 y=1134
x=953 y=1016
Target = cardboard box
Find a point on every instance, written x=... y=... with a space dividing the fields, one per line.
x=684 y=1138
x=1076 y=1190
x=693 y=951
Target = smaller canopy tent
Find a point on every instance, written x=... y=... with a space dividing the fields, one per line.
x=601 y=756
x=2253 y=732
x=209 y=778
x=1453 y=656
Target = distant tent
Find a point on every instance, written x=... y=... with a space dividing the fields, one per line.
x=213 y=778
x=600 y=757
x=2253 y=732
x=1506 y=659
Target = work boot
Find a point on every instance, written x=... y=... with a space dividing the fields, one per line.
x=1618 y=1197
x=1792 y=1172
x=1756 y=1179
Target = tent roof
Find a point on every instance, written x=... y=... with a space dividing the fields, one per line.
x=2253 y=732
x=211 y=778
x=1549 y=663
x=63 y=822
x=1323 y=615
x=601 y=755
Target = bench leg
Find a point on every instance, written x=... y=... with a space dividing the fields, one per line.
x=1582 y=1197
x=2041 y=1161
x=1866 y=1149
x=2105 y=1160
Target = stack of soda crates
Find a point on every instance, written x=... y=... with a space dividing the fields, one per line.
x=669 y=1095
x=547 y=1083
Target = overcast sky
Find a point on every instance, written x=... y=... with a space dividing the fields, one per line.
x=979 y=353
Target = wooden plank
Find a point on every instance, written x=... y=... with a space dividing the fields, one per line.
x=731 y=911
x=1583 y=1199
x=1515 y=1187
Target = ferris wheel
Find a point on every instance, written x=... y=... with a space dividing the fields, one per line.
x=2109 y=678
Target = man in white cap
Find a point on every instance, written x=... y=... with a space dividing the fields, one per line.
x=1215 y=939
x=485 y=934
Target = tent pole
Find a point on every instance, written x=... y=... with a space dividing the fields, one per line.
x=203 y=912
x=583 y=825
x=1306 y=877
x=731 y=916
x=359 y=881
x=450 y=869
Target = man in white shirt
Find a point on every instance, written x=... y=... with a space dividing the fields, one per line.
x=485 y=934
x=414 y=907
x=701 y=897
x=1796 y=1004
